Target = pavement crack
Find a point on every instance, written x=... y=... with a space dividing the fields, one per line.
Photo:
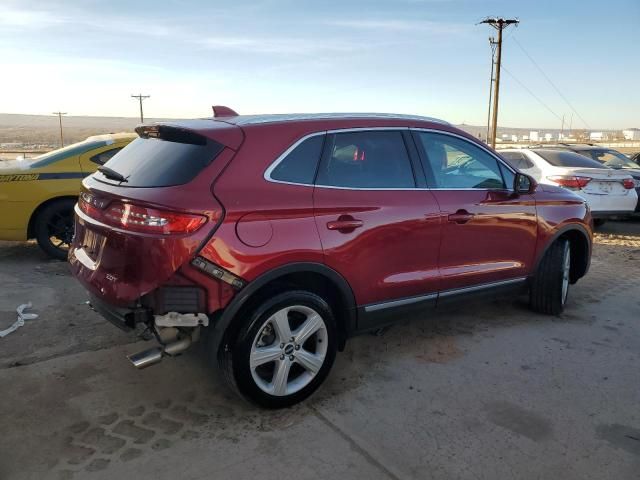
x=355 y=445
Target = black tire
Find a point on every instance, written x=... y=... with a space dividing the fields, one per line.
x=546 y=294
x=235 y=363
x=54 y=228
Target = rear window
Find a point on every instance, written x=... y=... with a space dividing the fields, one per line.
x=517 y=160
x=152 y=162
x=561 y=158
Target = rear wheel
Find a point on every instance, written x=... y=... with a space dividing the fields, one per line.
x=550 y=286
x=54 y=228
x=284 y=350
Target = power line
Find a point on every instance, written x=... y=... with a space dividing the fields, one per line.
x=59 y=114
x=550 y=82
x=532 y=94
x=140 y=98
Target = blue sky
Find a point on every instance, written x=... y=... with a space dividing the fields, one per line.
x=269 y=56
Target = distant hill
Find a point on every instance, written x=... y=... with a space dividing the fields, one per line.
x=44 y=129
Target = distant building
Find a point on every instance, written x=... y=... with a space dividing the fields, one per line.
x=597 y=136
x=548 y=137
x=533 y=136
x=514 y=138
x=631 y=134
x=525 y=138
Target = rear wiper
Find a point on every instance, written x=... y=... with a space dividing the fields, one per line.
x=112 y=174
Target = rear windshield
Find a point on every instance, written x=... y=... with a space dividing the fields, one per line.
x=562 y=158
x=151 y=162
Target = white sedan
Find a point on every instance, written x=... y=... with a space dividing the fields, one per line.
x=608 y=192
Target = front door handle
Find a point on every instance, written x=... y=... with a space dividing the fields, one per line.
x=345 y=223
x=460 y=217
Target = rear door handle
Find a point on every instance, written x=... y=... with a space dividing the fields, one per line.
x=460 y=217
x=345 y=223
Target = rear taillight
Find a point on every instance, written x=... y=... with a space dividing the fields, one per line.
x=628 y=183
x=137 y=218
x=570 y=181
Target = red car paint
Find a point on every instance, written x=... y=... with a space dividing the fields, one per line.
x=394 y=244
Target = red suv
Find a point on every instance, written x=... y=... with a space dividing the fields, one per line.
x=280 y=236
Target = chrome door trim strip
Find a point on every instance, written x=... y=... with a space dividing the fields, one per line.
x=480 y=287
x=374 y=307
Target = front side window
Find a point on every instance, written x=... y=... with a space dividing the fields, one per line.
x=367 y=159
x=457 y=163
x=299 y=166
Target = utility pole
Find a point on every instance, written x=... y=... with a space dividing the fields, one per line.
x=60 y=120
x=492 y=44
x=499 y=24
x=140 y=98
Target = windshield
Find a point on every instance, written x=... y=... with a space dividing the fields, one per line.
x=612 y=158
x=564 y=158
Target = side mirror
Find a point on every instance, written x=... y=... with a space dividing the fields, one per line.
x=523 y=184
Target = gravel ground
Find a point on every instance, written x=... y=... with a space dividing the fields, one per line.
x=482 y=391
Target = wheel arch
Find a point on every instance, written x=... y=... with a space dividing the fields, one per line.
x=314 y=277
x=34 y=215
x=580 y=241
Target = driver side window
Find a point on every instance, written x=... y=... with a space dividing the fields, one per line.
x=457 y=163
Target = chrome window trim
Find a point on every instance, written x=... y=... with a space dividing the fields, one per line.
x=277 y=161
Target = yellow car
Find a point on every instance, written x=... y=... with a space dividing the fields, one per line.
x=37 y=195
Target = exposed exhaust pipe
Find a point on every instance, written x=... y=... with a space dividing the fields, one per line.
x=146 y=358
x=154 y=355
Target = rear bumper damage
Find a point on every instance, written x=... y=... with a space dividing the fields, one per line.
x=175 y=332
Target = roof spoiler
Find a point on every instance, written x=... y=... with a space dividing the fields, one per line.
x=222 y=111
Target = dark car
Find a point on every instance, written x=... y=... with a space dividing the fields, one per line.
x=608 y=157
x=635 y=158
x=278 y=237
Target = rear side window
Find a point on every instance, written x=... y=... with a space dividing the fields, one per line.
x=152 y=162
x=563 y=158
x=103 y=157
x=299 y=166
x=367 y=159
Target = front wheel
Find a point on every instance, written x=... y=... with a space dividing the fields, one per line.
x=284 y=350
x=54 y=228
x=550 y=286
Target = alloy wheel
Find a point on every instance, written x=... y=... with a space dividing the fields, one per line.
x=288 y=350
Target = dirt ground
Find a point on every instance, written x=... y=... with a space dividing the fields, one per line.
x=486 y=391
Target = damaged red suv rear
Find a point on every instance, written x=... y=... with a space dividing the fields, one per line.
x=278 y=237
